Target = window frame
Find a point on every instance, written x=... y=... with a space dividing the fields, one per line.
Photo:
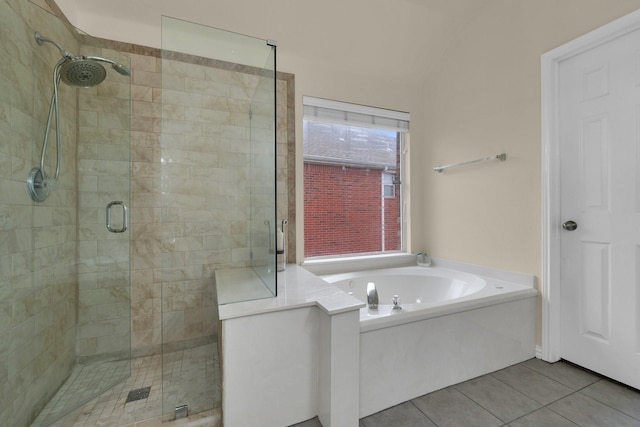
x=391 y=120
x=390 y=184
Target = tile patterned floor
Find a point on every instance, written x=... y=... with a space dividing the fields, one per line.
x=188 y=376
x=84 y=381
x=531 y=394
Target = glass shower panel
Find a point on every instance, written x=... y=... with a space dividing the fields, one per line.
x=265 y=226
x=211 y=82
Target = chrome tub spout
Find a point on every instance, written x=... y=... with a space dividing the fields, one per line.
x=372 y=296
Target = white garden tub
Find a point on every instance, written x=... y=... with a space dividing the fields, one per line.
x=453 y=326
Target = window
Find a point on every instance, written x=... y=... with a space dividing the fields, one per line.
x=388 y=185
x=352 y=179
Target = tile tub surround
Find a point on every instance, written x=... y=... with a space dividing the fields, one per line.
x=307 y=363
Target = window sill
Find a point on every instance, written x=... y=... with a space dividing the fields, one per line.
x=321 y=266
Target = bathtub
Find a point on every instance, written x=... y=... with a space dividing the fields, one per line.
x=423 y=292
x=453 y=326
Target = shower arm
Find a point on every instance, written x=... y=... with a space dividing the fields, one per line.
x=99 y=58
x=64 y=52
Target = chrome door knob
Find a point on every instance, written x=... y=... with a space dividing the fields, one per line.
x=570 y=225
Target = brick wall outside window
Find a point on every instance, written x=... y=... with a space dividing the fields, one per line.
x=343 y=211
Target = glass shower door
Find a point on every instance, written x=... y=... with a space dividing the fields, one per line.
x=217 y=198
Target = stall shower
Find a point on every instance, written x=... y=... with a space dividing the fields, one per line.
x=176 y=144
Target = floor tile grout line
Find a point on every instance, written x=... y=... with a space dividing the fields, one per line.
x=421 y=411
x=558 y=413
x=572 y=365
x=604 y=403
x=547 y=407
x=491 y=413
x=495 y=415
x=526 y=395
x=625 y=386
x=558 y=381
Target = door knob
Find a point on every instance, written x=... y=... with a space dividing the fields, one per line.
x=570 y=225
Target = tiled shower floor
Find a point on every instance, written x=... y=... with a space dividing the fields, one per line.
x=190 y=376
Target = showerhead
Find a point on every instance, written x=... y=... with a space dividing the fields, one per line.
x=82 y=72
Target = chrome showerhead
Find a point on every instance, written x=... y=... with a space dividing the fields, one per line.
x=82 y=72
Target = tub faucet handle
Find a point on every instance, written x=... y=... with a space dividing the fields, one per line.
x=423 y=259
x=394 y=300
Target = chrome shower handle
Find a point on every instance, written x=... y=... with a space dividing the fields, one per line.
x=125 y=217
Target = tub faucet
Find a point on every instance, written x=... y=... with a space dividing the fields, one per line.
x=372 y=296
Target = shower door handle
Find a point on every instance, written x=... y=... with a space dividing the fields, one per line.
x=125 y=217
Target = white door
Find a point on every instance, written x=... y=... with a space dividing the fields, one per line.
x=598 y=134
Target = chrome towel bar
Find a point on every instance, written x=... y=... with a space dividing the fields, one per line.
x=502 y=157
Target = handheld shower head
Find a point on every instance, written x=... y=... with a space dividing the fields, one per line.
x=121 y=69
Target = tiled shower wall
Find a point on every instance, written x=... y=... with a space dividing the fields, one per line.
x=191 y=191
x=37 y=241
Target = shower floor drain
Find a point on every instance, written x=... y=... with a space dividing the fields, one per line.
x=138 y=394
